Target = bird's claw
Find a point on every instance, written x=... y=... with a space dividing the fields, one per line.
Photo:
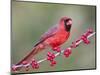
x=57 y=49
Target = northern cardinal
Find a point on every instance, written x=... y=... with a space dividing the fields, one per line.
x=53 y=38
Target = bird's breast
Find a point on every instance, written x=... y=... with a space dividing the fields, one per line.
x=58 y=38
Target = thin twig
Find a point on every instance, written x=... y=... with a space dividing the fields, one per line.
x=56 y=54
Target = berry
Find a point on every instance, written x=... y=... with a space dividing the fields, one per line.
x=53 y=63
x=50 y=56
x=34 y=64
x=67 y=52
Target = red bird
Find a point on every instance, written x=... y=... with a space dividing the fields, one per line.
x=53 y=38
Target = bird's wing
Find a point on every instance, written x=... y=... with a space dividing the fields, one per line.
x=52 y=31
x=49 y=33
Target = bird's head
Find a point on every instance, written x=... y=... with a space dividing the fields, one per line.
x=66 y=23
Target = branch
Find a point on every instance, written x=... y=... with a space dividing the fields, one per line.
x=51 y=56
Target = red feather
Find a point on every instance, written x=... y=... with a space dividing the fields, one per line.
x=54 y=37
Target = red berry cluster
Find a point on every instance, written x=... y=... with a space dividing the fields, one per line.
x=34 y=64
x=85 y=35
x=85 y=40
x=50 y=57
x=67 y=52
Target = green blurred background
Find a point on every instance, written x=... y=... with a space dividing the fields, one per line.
x=30 y=20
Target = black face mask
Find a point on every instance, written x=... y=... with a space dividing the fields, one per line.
x=67 y=27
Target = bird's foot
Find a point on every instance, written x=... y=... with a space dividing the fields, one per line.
x=57 y=49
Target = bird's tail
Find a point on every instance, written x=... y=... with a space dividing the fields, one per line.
x=35 y=50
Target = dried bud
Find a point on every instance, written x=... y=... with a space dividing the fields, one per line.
x=74 y=45
x=27 y=68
